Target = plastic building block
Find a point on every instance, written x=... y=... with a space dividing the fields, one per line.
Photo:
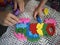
x=33 y=39
x=30 y=35
x=16 y=12
x=44 y=30
x=21 y=25
x=46 y=11
x=39 y=20
x=20 y=36
x=50 y=20
x=40 y=32
x=24 y=20
x=39 y=25
x=33 y=28
x=50 y=29
x=21 y=30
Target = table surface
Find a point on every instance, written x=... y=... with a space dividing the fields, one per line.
x=9 y=39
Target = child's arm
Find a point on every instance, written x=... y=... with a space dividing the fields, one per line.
x=38 y=10
x=8 y=19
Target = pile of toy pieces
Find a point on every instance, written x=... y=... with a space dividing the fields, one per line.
x=26 y=31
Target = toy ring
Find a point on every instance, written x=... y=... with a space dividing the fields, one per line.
x=52 y=31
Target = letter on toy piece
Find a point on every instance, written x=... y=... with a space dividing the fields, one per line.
x=33 y=28
x=50 y=20
x=39 y=25
x=24 y=20
x=50 y=29
x=44 y=30
x=39 y=28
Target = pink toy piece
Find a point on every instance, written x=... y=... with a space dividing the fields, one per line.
x=20 y=36
x=24 y=20
x=27 y=20
x=50 y=20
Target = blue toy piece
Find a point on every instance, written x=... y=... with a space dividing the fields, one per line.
x=30 y=35
x=28 y=25
x=36 y=35
x=21 y=25
x=39 y=19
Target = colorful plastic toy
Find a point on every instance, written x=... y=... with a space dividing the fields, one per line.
x=34 y=31
x=39 y=20
x=44 y=30
x=50 y=20
x=39 y=25
x=50 y=29
x=21 y=25
x=32 y=37
x=46 y=11
x=20 y=36
x=16 y=12
x=24 y=20
x=33 y=28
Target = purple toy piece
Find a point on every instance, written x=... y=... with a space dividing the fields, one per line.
x=16 y=12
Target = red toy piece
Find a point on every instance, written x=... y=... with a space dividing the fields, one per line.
x=50 y=29
x=33 y=28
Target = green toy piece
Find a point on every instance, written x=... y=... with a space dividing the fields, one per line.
x=21 y=30
x=33 y=39
x=44 y=30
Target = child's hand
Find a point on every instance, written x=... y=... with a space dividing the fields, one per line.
x=20 y=3
x=8 y=19
x=38 y=12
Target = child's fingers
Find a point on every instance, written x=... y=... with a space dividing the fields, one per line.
x=7 y=23
x=35 y=14
x=14 y=18
x=21 y=6
x=15 y=5
x=12 y=21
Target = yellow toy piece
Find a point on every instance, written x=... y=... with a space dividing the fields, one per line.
x=40 y=32
x=39 y=25
x=46 y=11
